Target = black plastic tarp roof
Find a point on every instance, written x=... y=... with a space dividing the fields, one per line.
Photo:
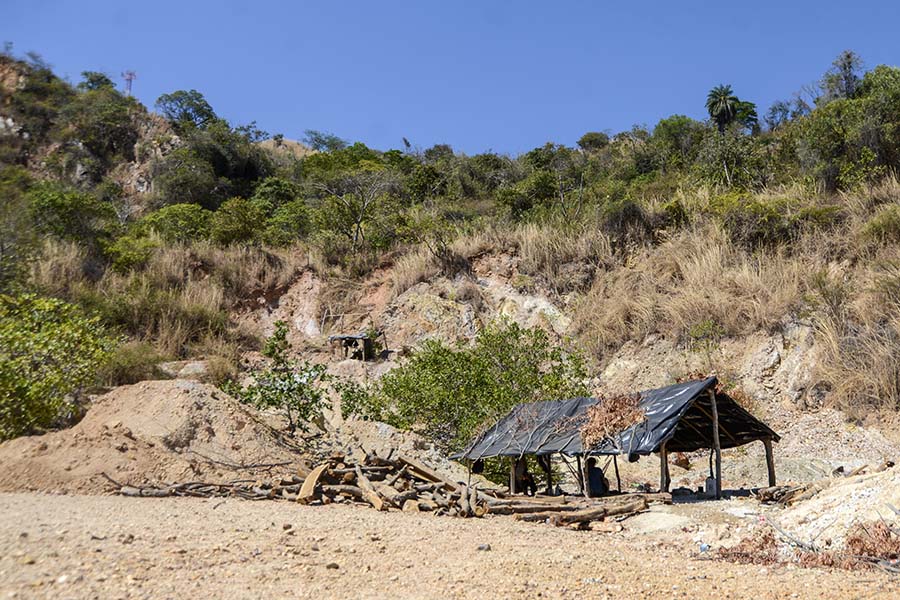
x=679 y=414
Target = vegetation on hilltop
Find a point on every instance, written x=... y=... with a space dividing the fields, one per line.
x=737 y=219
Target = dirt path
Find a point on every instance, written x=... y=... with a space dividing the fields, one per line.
x=111 y=547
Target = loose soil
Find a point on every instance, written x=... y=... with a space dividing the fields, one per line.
x=113 y=547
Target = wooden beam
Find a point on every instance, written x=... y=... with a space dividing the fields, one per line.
x=770 y=461
x=720 y=428
x=512 y=475
x=716 y=445
x=663 y=468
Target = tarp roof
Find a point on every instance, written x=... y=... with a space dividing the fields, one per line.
x=679 y=414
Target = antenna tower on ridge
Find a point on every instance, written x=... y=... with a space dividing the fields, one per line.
x=128 y=76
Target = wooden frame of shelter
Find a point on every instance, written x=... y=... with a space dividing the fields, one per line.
x=684 y=417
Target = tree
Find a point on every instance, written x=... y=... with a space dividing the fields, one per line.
x=93 y=81
x=322 y=141
x=843 y=78
x=353 y=200
x=273 y=192
x=447 y=392
x=295 y=388
x=18 y=240
x=186 y=109
x=745 y=114
x=289 y=222
x=48 y=351
x=184 y=176
x=593 y=141
x=778 y=115
x=722 y=105
x=675 y=140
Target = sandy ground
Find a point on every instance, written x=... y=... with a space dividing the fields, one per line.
x=113 y=547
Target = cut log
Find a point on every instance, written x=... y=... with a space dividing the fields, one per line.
x=420 y=470
x=411 y=505
x=563 y=518
x=308 y=490
x=347 y=490
x=369 y=493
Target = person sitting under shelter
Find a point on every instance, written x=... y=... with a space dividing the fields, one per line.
x=598 y=485
x=524 y=479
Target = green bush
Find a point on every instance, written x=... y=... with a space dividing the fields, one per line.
x=447 y=393
x=884 y=226
x=750 y=223
x=179 y=222
x=237 y=220
x=290 y=222
x=131 y=251
x=132 y=362
x=275 y=192
x=48 y=350
x=70 y=215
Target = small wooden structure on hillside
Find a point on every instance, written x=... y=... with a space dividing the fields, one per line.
x=684 y=417
x=358 y=346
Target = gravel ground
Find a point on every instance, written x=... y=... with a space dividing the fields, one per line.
x=112 y=547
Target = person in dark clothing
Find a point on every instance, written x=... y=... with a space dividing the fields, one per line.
x=598 y=485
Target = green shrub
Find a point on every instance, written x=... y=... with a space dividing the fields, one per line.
x=292 y=387
x=179 y=222
x=447 y=393
x=275 y=192
x=750 y=223
x=131 y=251
x=48 y=350
x=70 y=215
x=884 y=226
x=132 y=362
x=290 y=222
x=237 y=220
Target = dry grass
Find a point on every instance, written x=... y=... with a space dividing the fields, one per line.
x=181 y=298
x=696 y=276
x=412 y=268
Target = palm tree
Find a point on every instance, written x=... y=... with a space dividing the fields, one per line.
x=722 y=105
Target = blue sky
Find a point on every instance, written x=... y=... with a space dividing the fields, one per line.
x=480 y=75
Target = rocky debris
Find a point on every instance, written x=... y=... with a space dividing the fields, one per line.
x=150 y=432
x=185 y=369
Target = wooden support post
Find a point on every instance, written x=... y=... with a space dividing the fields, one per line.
x=716 y=445
x=663 y=468
x=770 y=461
x=549 y=476
x=581 y=481
x=618 y=479
x=512 y=475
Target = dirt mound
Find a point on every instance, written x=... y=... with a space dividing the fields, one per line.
x=149 y=433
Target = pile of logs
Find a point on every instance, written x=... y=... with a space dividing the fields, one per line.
x=788 y=495
x=408 y=485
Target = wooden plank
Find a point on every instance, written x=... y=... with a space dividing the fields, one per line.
x=417 y=468
x=308 y=490
x=716 y=445
x=770 y=462
x=369 y=493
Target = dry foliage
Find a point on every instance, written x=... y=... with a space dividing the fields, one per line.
x=867 y=546
x=761 y=548
x=609 y=416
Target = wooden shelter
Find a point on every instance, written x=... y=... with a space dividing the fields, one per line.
x=684 y=417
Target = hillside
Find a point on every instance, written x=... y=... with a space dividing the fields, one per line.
x=764 y=249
